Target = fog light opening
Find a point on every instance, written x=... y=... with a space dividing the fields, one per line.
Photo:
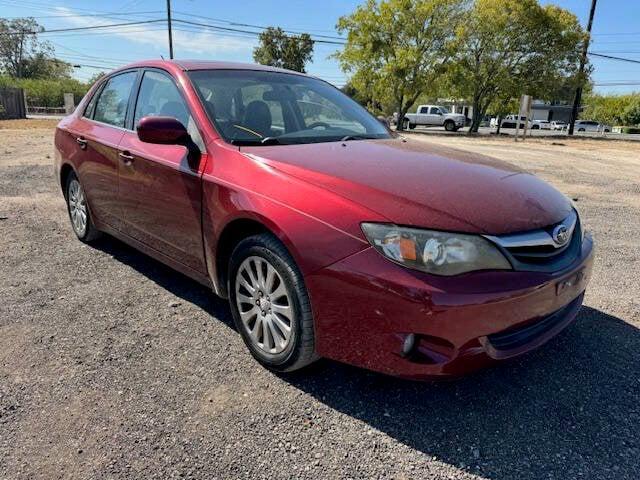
x=408 y=345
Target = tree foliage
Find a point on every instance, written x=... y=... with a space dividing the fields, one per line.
x=398 y=49
x=612 y=109
x=23 y=55
x=506 y=48
x=277 y=49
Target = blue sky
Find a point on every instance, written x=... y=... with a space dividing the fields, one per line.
x=616 y=31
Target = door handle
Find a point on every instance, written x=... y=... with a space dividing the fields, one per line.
x=82 y=142
x=126 y=157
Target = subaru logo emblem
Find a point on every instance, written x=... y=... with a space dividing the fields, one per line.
x=560 y=235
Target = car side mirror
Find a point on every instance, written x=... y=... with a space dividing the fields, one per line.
x=163 y=130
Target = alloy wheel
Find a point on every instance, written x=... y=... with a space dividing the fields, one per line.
x=77 y=207
x=265 y=305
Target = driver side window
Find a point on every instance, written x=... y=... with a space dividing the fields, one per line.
x=159 y=96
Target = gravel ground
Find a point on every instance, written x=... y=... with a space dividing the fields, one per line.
x=113 y=366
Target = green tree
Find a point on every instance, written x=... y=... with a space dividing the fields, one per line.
x=398 y=49
x=94 y=78
x=612 y=109
x=506 y=48
x=277 y=49
x=21 y=52
x=631 y=114
x=41 y=65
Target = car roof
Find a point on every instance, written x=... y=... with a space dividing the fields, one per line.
x=190 y=65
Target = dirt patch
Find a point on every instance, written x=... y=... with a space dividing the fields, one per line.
x=28 y=124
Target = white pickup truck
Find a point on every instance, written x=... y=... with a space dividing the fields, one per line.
x=435 y=115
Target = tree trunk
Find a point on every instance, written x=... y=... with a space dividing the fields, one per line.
x=477 y=116
x=499 y=120
x=401 y=113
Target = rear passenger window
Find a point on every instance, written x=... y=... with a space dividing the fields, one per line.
x=159 y=96
x=111 y=106
x=88 y=111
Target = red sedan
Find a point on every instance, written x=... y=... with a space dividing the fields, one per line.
x=329 y=235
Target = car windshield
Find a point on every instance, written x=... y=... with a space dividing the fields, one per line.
x=444 y=110
x=250 y=107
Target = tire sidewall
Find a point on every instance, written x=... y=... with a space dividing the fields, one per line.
x=253 y=247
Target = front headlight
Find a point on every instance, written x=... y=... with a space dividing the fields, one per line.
x=439 y=253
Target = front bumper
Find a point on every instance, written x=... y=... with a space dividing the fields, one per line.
x=365 y=306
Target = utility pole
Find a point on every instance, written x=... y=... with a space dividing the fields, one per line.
x=169 y=29
x=20 y=53
x=578 y=98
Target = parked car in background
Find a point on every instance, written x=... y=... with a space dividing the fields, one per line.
x=558 y=125
x=590 y=126
x=435 y=115
x=329 y=235
x=511 y=121
x=540 y=125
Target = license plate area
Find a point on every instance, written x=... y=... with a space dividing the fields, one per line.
x=570 y=282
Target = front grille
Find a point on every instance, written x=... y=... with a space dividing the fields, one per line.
x=538 y=251
x=521 y=336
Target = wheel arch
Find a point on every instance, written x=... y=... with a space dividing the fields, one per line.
x=233 y=232
x=66 y=169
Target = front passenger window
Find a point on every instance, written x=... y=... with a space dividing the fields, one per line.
x=111 y=107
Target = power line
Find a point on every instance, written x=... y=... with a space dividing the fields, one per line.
x=228 y=22
x=611 y=57
x=76 y=29
x=86 y=15
x=229 y=29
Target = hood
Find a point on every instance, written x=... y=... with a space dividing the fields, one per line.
x=424 y=185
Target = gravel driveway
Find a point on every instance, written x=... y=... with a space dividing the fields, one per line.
x=113 y=366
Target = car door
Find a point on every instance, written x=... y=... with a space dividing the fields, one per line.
x=422 y=117
x=435 y=116
x=97 y=134
x=160 y=185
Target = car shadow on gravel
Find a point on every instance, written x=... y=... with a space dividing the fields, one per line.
x=180 y=285
x=568 y=410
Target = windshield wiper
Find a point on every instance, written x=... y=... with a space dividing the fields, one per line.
x=254 y=143
x=346 y=138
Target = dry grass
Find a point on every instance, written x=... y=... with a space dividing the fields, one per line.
x=28 y=124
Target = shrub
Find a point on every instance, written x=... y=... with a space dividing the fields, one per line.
x=46 y=93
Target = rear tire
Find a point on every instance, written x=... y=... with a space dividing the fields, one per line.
x=78 y=210
x=270 y=304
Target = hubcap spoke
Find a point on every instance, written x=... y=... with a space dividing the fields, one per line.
x=264 y=304
x=77 y=207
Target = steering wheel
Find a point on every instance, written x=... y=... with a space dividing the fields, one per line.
x=326 y=126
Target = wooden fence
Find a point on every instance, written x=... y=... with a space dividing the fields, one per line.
x=12 y=103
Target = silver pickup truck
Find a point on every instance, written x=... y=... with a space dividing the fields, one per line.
x=435 y=115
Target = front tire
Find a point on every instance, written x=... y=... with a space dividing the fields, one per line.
x=270 y=304
x=78 y=209
x=449 y=126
